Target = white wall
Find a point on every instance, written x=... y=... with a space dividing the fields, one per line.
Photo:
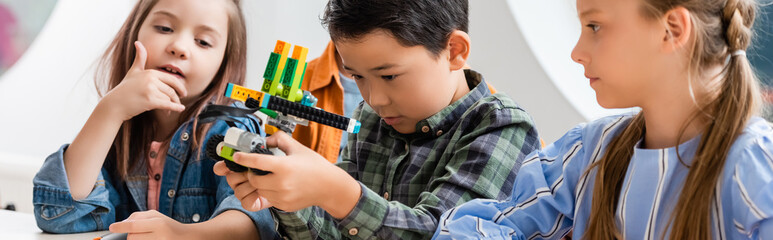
x=296 y=22
x=48 y=94
x=522 y=48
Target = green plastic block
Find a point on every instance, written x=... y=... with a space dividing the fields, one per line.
x=227 y=153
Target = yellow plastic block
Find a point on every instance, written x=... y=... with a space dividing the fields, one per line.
x=282 y=48
x=300 y=54
x=270 y=130
x=242 y=93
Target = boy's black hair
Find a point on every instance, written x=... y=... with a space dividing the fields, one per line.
x=428 y=23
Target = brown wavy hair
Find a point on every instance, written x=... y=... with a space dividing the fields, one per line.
x=722 y=27
x=134 y=136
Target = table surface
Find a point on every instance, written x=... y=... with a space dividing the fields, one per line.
x=16 y=225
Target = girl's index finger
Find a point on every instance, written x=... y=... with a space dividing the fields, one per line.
x=174 y=82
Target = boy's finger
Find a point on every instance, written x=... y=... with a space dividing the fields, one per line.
x=261 y=203
x=221 y=169
x=243 y=189
x=248 y=202
x=255 y=202
x=263 y=162
x=283 y=141
x=270 y=182
x=234 y=179
x=140 y=57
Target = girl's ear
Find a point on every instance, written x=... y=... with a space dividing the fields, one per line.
x=458 y=49
x=678 y=29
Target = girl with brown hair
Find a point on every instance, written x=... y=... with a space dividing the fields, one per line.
x=138 y=158
x=694 y=163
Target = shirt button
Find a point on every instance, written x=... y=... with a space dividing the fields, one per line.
x=184 y=137
x=170 y=193
x=353 y=231
x=439 y=132
x=153 y=154
x=157 y=177
x=425 y=129
x=386 y=195
x=196 y=217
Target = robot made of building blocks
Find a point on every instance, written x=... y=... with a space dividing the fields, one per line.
x=280 y=105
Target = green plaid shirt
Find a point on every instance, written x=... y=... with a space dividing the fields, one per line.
x=470 y=149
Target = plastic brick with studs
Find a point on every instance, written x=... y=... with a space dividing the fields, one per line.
x=293 y=76
x=275 y=68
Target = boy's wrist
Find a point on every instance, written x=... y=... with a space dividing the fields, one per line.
x=345 y=195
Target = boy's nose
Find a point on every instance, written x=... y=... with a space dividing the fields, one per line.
x=377 y=97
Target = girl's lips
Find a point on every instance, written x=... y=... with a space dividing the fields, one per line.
x=392 y=120
x=172 y=69
x=592 y=79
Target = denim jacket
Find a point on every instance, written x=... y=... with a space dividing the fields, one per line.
x=190 y=190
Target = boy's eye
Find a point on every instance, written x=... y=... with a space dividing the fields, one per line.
x=203 y=43
x=388 y=77
x=164 y=29
x=593 y=27
x=356 y=77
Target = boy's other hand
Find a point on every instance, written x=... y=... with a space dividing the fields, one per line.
x=301 y=179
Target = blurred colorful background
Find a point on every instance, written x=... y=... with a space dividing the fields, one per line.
x=20 y=22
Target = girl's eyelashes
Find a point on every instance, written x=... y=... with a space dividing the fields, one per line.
x=356 y=77
x=163 y=29
x=203 y=43
x=593 y=27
